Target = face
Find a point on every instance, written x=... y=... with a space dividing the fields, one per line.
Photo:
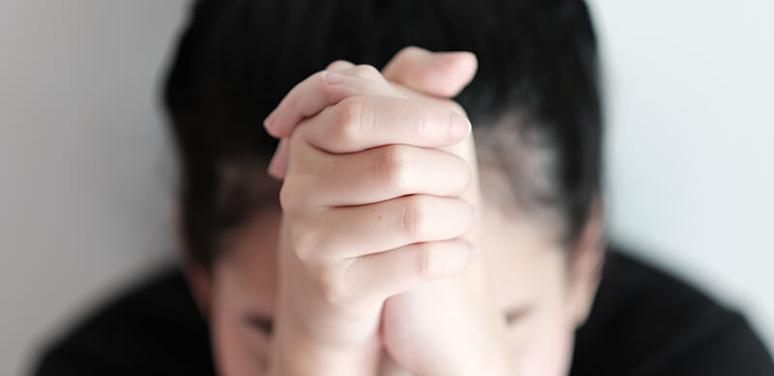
x=544 y=291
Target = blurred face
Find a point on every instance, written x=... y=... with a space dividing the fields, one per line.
x=544 y=291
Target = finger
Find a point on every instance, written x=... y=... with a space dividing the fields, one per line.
x=386 y=225
x=442 y=74
x=305 y=99
x=341 y=79
x=382 y=275
x=321 y=90
x=340 y=87
x=376 y=175
x=339 y=66
x=357 y=80
x=359 y=123
x=416 y=68
x=279 y=162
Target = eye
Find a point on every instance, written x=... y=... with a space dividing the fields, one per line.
x=261 y=323
x=513 y=316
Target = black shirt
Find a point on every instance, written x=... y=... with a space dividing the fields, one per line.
x=643 y=323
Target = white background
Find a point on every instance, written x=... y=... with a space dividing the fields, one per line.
x=691 y=141
x=86 y=178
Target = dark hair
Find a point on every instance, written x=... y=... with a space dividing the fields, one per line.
x=237 y=59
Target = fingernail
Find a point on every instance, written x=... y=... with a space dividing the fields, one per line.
x=268 y=123
x=278 y=164
x=460 y=125
x=333 y=78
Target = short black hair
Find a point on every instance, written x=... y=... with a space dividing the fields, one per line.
x=237 y=58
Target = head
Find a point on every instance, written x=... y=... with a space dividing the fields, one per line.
x=535 y=108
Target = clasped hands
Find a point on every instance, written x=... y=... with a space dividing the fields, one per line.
x=379 y=266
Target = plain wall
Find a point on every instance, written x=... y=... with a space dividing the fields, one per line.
x=86 y=178
x=86 y=175
x=690 y=94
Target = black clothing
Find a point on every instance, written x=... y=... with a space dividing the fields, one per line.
x=643 y=323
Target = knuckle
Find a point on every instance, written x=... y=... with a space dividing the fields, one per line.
x=303 y=244
x=408 y=52
x=414 y=218
x=328 y=90
x=350 y=112
x=394 y=167
x=332 y=286
x=293 y=195
x=426 y=260
x=367 y=71
x=336 y=64
x=287 y=197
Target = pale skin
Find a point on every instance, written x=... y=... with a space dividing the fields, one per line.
x=384 y=258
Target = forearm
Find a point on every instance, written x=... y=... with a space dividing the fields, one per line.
x=297 y=351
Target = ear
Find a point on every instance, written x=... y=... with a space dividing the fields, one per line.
x=200 y=282
x=199 y=279
x=586 y=262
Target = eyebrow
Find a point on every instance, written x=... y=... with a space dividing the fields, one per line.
x=261 y=323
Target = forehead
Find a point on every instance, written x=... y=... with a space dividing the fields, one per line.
x=246 y=273
x=524 y=263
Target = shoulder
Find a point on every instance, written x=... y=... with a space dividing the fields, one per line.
x=647 y=322
x=151 y=328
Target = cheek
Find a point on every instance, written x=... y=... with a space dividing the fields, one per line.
x=544 y=339
x=547 y=351
x=238 y=350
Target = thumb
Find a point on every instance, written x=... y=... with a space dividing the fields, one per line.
x=440 y=74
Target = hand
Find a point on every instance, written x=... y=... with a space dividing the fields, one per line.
x=472 y=339
x=454 y=326
x=371 y=209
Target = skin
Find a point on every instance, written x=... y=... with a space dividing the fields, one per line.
x=382 y=257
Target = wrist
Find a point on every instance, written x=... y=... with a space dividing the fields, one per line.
x=302 y=346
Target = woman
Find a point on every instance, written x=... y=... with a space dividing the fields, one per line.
x=396 y=231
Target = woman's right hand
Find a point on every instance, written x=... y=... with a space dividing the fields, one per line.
x=371 y=208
